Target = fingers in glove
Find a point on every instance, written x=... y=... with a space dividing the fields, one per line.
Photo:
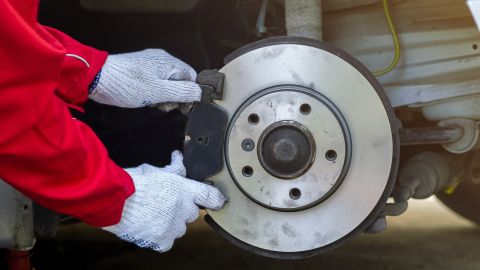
x=166 y=241
x=184 y=108
x=176 y=165
x=182 y=230
x=166 y=245
x=182 y=73
x=207 y=196
x=178 y=70
x=193 y=213
x=167 y=107
x=178 y=91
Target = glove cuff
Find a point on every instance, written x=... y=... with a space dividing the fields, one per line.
x=132 y=204
x=94 y=83
x=128 y=227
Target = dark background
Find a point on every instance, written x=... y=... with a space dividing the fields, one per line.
x=201 y=38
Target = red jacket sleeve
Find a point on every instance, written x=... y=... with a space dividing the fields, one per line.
x=45 y=153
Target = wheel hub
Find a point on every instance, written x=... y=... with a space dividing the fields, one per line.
x=286 y=149
x=292 y=144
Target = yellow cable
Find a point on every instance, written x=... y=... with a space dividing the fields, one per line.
x=396 y=43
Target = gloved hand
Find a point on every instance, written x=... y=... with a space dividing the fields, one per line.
x=143 y=78
x=163 y=203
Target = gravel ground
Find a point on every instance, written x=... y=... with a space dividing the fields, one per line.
x=429 y=236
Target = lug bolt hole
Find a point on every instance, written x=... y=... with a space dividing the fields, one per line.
x=305 y=109
x=331 y=155
x=247 y=171
x=253 y=118
x=295 y=193
x=248 y=145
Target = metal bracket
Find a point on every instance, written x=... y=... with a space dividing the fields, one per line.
x=211 y=82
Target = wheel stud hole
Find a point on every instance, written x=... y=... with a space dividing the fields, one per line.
x=305 y=109
x=247 y=171
x=253 y=118
x=331 y=155
x=248 y=145
x=295 y=193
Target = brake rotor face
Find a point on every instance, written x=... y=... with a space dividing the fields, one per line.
x=311 y=151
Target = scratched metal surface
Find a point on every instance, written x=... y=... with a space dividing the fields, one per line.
x=371 y=160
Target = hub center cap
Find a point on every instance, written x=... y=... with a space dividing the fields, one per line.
x=286 y=149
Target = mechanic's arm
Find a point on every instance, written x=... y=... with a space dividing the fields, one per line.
x=45 y=153
x=59 y=162
x=127 y=80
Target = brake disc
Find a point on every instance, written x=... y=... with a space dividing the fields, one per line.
x=309 y=147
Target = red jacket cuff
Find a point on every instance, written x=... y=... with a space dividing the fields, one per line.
x=79 y=68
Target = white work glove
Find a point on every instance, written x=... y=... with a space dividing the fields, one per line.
x=139 y=79
x=163 y=203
